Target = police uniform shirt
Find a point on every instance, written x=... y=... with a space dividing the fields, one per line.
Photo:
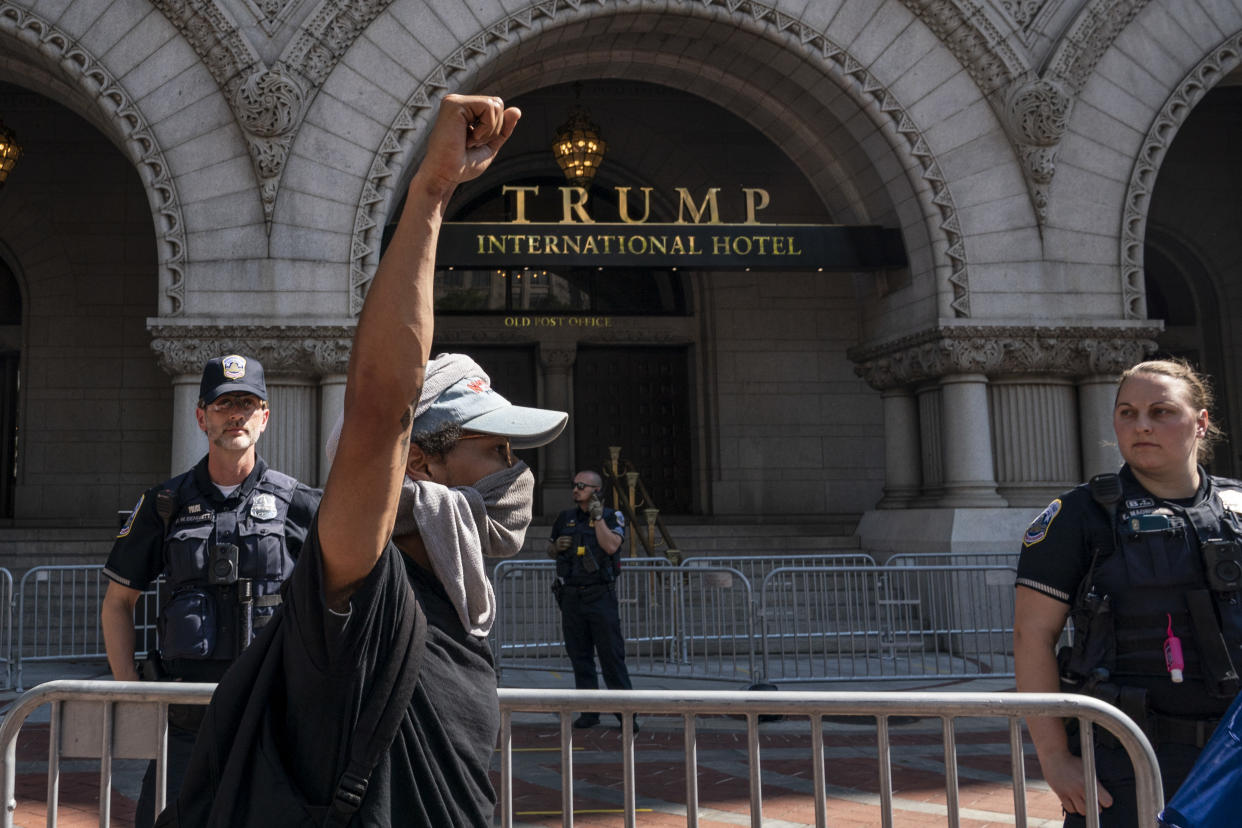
x=137 y=556
x=577 y=524
x=1056 y=548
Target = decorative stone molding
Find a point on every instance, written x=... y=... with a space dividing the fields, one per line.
x=978 y=44
x=558 y=359
x=66 y=55
x=1024 y=12
x=270 y=14
x=1220 y=62
x=327 y=33
x=1063 y=351
x=270 y=102
x=1037 y=111
x=298 y=350
x=1088 y=38
x=379 y=191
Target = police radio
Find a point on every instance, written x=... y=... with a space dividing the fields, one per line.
x=222 y=564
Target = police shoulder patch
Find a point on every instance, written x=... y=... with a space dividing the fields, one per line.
x=1232 y=500
x=129 y=521
x=1038 y=530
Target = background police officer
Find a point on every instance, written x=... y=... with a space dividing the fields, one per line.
x=585 y=541
x=224 y=535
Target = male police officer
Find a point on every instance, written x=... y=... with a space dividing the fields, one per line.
x=224 y=535
x=585 y=541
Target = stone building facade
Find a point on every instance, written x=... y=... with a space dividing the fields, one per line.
x=213 y=177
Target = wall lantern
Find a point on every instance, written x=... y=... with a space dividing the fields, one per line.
x=10 y=151
x=578 y=148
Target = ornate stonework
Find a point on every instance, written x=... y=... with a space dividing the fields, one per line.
x=296 y=350
x=975 y=40
x=1219 y=63
x=1088 y=38
x=1024 y=12
x=116 y=107
x=1067 y=351
x=270 y=14
x=378 y=193
x=270 y=102
x=325 y=35
x=1037 y=112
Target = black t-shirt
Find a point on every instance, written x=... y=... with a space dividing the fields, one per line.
x=436 y=772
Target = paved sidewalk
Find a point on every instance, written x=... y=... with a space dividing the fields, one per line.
x=986 y=796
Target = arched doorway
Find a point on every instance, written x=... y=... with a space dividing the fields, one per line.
x=1191 y=255
x=10 y=385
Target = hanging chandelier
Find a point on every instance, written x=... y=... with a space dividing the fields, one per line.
x=10 y=151
x=579 y=148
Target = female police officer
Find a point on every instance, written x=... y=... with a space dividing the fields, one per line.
x=1139 y=557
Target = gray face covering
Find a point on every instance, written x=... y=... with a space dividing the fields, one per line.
x=460 y=526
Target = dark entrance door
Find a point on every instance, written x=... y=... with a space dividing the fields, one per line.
x=637 y=398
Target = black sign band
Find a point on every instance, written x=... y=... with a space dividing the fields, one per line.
x=713 y=246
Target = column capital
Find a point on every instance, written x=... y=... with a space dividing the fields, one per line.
x=298 y=350
x=969 y=347
x=558 y=359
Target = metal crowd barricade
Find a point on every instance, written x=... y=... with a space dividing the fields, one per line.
x=814 y=707
x=695 y=622
x=754 y=567
x=58 y=615
x=102 y=720
x=890 y=622
x=953 y=559
x=113 y=720
x=6 y=627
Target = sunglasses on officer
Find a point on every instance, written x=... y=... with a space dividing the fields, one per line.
x=580 y=486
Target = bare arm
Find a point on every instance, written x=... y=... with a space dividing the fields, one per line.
x=392 y=345
x=116 y=616
x=1038 y=620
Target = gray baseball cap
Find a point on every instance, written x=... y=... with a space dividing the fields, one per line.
x=472 y=404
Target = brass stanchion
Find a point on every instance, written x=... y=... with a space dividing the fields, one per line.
x=631 y=478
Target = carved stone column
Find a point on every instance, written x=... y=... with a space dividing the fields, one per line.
x=1095 y=421
x=968 y=476
x=289 y=444
x=331 y=405
x=1034 y=438
x=189 y=444
x=931 y=441
x=293 y=358
x=558 y=470
x=949 y=368
x=902 y=466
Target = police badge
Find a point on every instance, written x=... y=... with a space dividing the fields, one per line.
x=234 y=366
x=263 y=507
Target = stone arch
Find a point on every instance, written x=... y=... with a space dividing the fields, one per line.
x=1164 y=127
x=926 y=186
x=52 y=53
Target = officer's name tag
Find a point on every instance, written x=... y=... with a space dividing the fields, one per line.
x=263 y=507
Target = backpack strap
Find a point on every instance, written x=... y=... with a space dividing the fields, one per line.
x=380 y=717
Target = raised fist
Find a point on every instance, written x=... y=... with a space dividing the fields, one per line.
x=596 y=509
